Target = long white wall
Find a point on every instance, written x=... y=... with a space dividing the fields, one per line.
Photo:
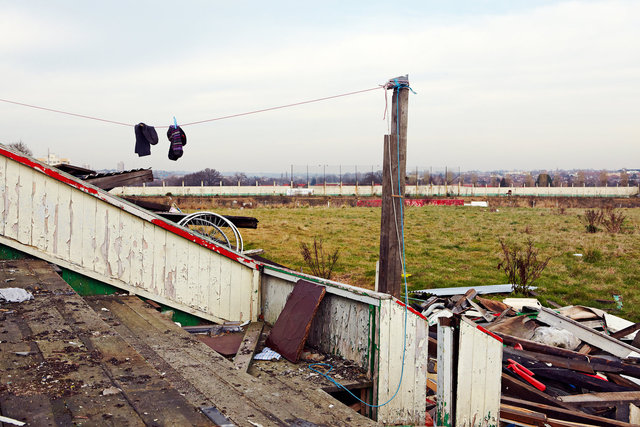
x=376 y=190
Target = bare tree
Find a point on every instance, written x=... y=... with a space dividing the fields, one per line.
x=544 y=180
x=528 y=180
x=521 y=264
x=206 y=177
x=21 y=147
x=321 y=264
x=603 y=178
x=624 y=179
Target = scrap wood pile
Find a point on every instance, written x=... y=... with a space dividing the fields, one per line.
x=568 y=365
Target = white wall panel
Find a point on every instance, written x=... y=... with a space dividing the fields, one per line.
x=49 y=214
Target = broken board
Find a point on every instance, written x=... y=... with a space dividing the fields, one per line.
x=291 y=330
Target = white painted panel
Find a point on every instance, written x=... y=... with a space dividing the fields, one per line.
x=226 y=284
x=420 y=366
x=51 y=216
x=89 y=241
x=171 y=266
x=409 y=380
x=384 y=354
x=118 y=243
x=187 y=261
x=237 y=291
x=63 y=221
x=159 y=247
x=445 y=360
x=479 y=373
x=12 y=199
x=208 y=278
x=3 y=192
x=493 y=375
x=135 y=253
x=76 y=231
x=244 y=303
x=25 y=206
x=275 y=292
x=147 y=256
x=126 y=243
x=465 y=374
x=39 y=212
x=343 y=327
x=408 y=406
x=102 y=240
x=113 y=241
x=256 y=302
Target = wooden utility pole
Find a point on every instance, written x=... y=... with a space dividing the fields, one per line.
x=393 y=184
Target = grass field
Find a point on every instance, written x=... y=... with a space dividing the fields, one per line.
x=459 y=246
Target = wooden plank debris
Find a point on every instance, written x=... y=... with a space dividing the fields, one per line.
x=481 y=290
x=120 y=179
x=597 y=399
x=248 y=346
x=290 y=331
x=626 y=331
x=603 y=342
x=571 y=415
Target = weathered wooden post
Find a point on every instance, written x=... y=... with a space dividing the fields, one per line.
x=393 y=185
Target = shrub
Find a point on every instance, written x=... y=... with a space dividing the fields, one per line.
x=613 y=220
x=592 y=219
x=592 y=255
x=521 y=265
x=320 y=265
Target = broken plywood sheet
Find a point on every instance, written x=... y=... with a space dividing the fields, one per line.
x=518 y=326
x=225 y=344
x=292 y=327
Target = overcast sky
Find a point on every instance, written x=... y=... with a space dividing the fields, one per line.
x=514 y=84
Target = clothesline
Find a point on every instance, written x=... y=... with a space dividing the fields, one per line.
x=196 y=122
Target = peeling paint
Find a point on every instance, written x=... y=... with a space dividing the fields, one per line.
x=55 y=230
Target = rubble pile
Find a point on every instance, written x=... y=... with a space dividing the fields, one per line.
x=560 y=366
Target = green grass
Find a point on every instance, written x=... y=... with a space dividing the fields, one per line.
x=459 y=246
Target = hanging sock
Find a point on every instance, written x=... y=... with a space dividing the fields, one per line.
x=145 y=137
x=177 y=139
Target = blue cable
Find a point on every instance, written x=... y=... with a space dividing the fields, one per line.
x=397 y=87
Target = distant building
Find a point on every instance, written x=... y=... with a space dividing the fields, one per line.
x=53 y=159
x=120 y=166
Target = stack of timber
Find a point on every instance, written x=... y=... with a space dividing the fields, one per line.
x=559 y=366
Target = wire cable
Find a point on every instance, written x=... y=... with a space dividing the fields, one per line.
x=64 y=112
x=280 y=107
x=53 y=110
